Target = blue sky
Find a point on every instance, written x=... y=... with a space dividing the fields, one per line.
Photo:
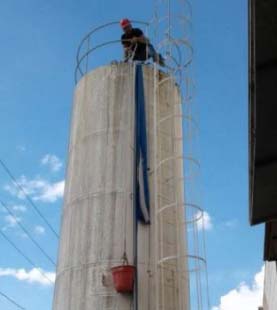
x=37 y=60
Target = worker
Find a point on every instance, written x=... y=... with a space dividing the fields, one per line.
x=136 y=45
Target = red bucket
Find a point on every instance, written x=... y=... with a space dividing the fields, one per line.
x=123 y=278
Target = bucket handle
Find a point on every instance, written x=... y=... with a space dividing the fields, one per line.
x=125 y=259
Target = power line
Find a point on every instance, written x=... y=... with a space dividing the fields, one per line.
x=12 y=301
x=27 y=233
x=23 y=255
x=4 y=166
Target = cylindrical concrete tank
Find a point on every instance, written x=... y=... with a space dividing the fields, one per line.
x=97 y=223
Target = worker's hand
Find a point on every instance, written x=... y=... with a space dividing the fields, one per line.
x=134 y=40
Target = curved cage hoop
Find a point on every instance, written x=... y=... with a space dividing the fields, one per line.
x=190 y=126
x=193 y=217
x=167 y=78
x=199 y=261
x=196 y=209
x=87 y=45
x=197 y=213
x=179 y=44
x=192 y=165
x=181 y=157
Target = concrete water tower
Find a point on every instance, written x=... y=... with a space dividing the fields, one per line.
x=124 y=193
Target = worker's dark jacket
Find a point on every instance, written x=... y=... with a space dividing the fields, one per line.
x=139 y=49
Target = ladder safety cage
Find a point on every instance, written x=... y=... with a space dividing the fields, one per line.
x=89 y=45
x=180 y=252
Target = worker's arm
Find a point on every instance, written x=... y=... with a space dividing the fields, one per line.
x=140 y=39
x=127 y=47
x=126 y=53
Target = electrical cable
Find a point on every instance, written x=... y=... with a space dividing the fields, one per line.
x=12 y=301
x=28 y=198
x=27 y=233
x=23 y=255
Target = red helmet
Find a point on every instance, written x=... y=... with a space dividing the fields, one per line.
x=125 y=22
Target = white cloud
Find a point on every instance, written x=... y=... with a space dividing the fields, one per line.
x=244 y=297
x=38 y=188
x=21 y=148
x=11 y=220
x=52 y=161
x=30 y=186
x=35 y=275
x=231 y=223
x=23 y=235
x=51 y=192
x=19 y=208
x=204 y=220
x=39 y=230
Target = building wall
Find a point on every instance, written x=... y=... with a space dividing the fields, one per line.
x=270 y=286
